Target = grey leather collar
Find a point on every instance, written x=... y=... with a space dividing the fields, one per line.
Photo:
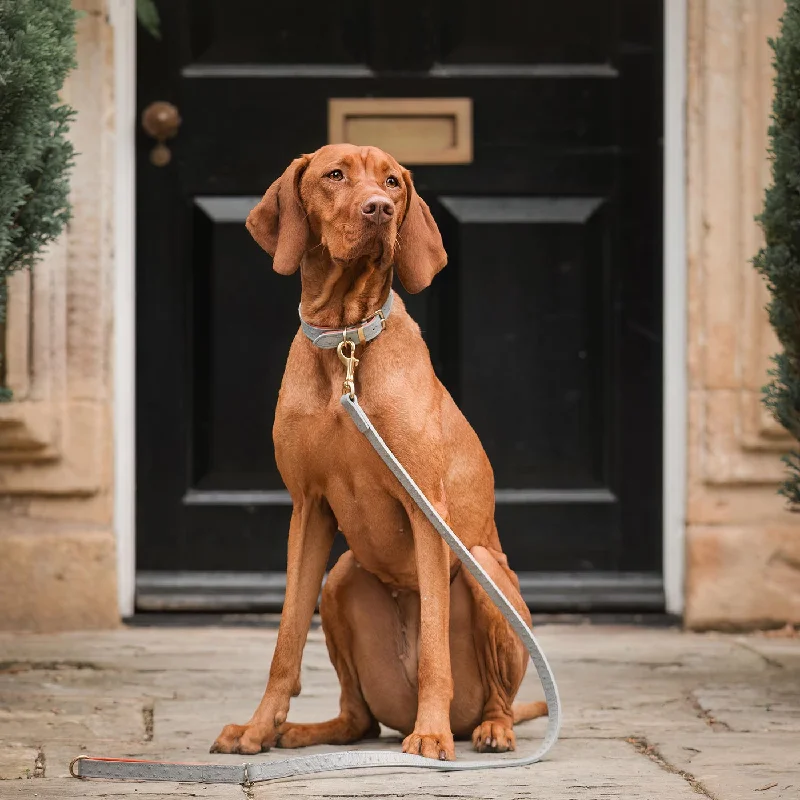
x=365 y=331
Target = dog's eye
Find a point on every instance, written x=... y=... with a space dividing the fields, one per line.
x=392 y=182
x=336 y=175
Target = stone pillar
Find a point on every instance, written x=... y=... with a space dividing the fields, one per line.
x=57 y=564
x=743 y=546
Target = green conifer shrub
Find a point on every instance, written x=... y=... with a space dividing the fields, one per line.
x=779 y=260
x=37 y=50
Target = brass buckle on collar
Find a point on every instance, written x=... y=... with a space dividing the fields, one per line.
x=360 y=330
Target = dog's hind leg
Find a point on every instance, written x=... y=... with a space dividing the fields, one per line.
x=502 y=657
x=355 y=720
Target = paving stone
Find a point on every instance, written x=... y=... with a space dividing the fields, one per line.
x=735 y=766
x=17 y=761
x=588 y=768
x=37 y=718
x=755 y=706
x=648 y=714
x=777 y=652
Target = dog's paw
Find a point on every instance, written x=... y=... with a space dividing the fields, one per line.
x=245 y=739
x=293 y=734
x=431 y=745
x=493 y=737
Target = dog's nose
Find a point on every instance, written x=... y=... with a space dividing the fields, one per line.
x=378 y=209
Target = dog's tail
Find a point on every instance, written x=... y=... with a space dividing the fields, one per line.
x=525 y=711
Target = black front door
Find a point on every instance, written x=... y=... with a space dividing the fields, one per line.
x=541 y=162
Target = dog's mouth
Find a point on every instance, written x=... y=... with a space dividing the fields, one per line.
x=353 y=244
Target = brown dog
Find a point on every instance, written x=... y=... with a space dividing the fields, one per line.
x=416 y=643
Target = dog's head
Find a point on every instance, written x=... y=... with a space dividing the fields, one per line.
x=358 y=204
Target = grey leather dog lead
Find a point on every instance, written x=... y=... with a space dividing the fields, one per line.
x=257 y=771
x=363 y=332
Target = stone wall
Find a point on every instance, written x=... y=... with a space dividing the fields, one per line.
x=57 y=563
x=743 y=546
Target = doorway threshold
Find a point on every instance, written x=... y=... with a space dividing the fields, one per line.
x=263 y=592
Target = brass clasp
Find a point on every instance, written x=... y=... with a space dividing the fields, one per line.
x=351 y=362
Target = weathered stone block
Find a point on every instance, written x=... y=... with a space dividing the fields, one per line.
x=743 y=577
x=57 y=578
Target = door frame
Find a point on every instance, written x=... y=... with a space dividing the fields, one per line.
x=122 y=14
x=123 y=19
x=675 y=325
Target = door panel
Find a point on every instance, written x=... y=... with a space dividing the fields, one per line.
x=545 y=326
x=527 y=276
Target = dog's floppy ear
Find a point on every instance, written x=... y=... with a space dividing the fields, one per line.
x=278 y=222
x=420 y=253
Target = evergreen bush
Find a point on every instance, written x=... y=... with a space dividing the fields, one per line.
x=37 y=50
x=779 y=260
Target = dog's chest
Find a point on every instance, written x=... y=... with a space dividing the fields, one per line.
x=322 y=452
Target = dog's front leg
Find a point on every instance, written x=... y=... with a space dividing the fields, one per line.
x=311 y=533
x=432 y=736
